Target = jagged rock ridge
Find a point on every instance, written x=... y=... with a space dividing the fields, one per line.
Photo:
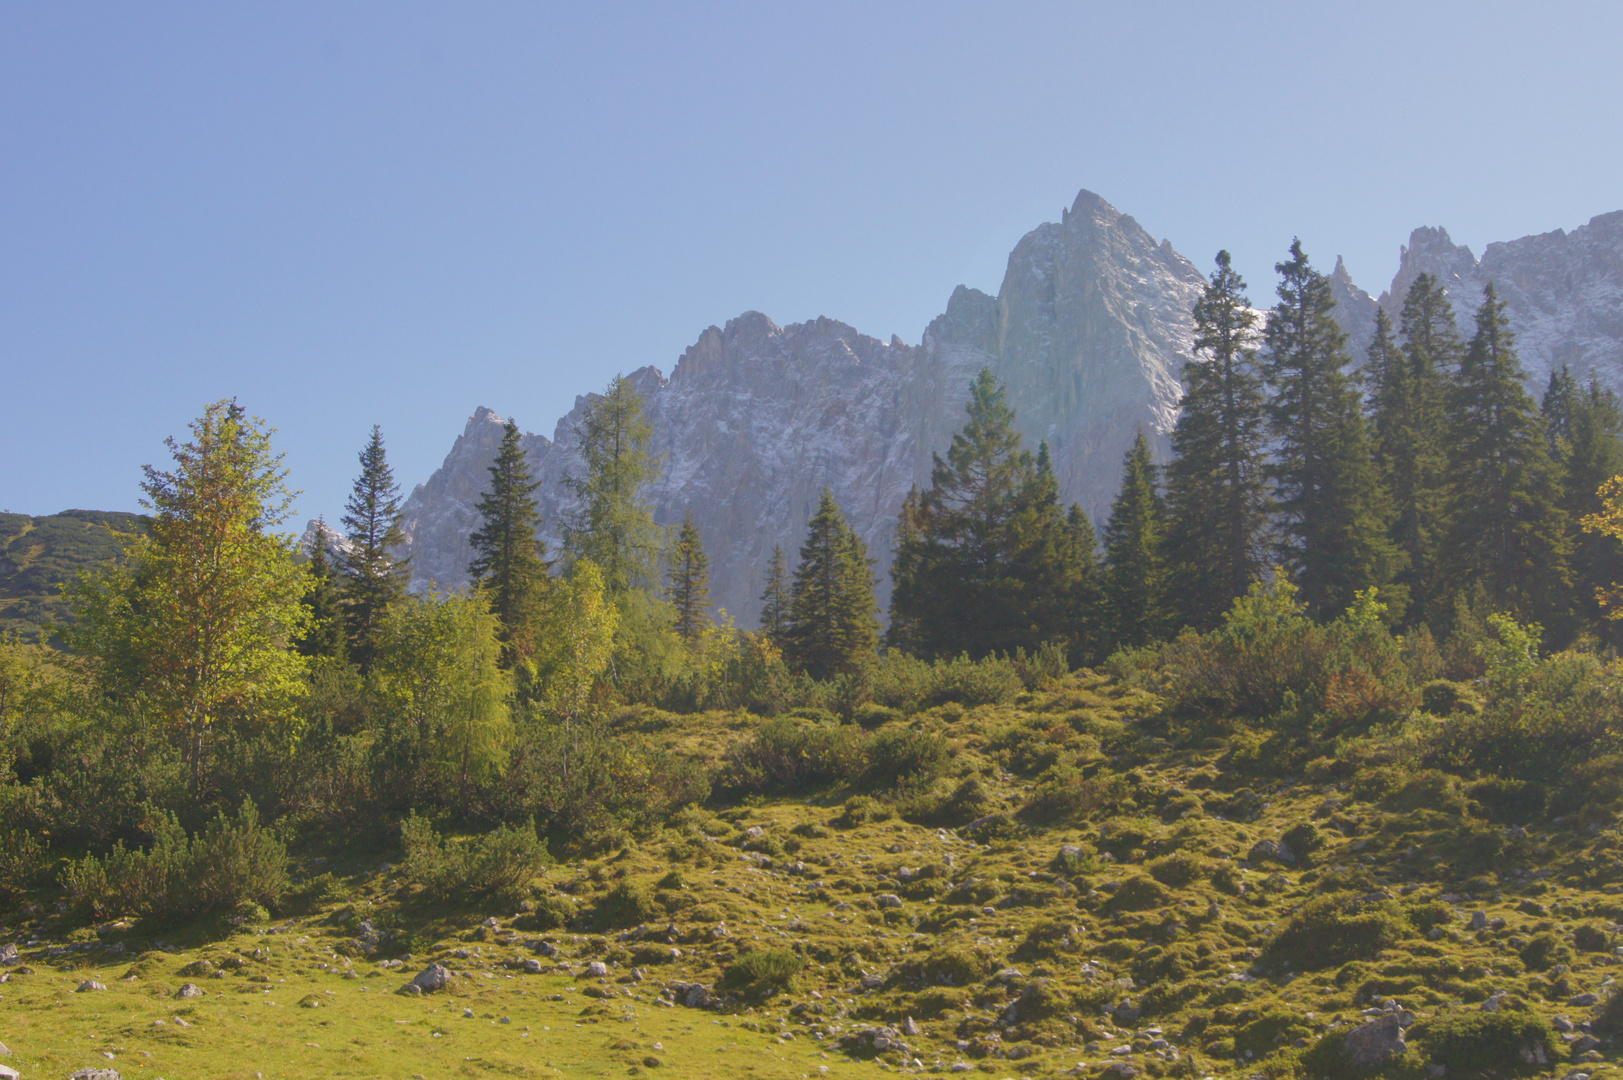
x=1090 y=330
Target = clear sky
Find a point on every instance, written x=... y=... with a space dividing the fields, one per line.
x=346 y=214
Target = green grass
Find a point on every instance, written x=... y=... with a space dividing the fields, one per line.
x=1226 y=959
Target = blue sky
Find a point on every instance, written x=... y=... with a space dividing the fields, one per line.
x=346 y=214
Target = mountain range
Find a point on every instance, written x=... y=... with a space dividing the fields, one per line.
x=1089 y=330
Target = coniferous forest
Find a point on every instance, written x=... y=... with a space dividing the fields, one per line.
x=1307 y=761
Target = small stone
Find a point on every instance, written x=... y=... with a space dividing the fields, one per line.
x=754 y=832
x=96 y=1074
x=189 y=990
x=1271 y=850
x=1561 y=1024
x=1583 y=1000
x=532 y=966
x=89 y=984
x=889 y=900
x=597 y=969
x=1479 y=920
x=431 y=978
x=910 y=1028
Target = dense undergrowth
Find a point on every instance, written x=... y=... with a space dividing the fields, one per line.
x=1224 y=855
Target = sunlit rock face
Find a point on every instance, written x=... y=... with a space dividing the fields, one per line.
x=1090 y=331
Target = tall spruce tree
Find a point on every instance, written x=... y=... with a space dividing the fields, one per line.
x=324 y=627
x=833 y=617
x=1560 y=402
x=371 y=579
x=985 y=562
x=1216 y=483
x=1134 y=585
x=1407 y=389
x=510 y=560
x=1332 y=509
x=1588 y=452
x=613 y=525
x=1506 y=527
x=688 y=583
x=775 y=598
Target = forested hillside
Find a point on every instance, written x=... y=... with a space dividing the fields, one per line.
x=1308 y=763
x=38 y=555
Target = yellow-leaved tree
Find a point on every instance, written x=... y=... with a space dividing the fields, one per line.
x=200 y=618
x=1609 y=522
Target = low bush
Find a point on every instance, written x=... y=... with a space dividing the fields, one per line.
x=904 y=757
x=1440 y=697
x=1139 y=893
x=1178 y=870
x=232 y=863
x=860 y=810
x=955 y=965
x=1332 y=930
x=1488 y=1043
x=1510 y=802
x=760 y=974
x=1544 y=950
x=1067 y=795
x=971 y=799
x=1046 y=940
x=502 y=863
x=629 y=903
x=1591 y=937
x=790 y=755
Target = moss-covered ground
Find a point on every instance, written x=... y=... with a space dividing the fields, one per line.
x=1121 y=920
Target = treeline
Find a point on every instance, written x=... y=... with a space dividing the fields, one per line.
x=1423 y=470
x=1420 y=488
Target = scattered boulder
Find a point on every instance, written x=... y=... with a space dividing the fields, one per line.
x=189 y=990
x=910 y=1028
x=597 y=969
x=9 y=955
x=96 y=1074
x=1479 y=920
x=888 y=900
x=1120 y=1070
x=431 y=978
x=89 y=984
x=1371 y=1045
x=1271 y=850
x=691 y=995
x=531 y=966
x=1584 y=1000
x=8 y=1073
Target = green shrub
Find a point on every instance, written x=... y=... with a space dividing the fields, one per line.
x=1139 y=893
x=1428 y=789
x=629 y=903
x=502 y=863
x=1591 y=937
x=1066 y=795
x=1331 y=930
x=1305 y=839
x=955 y=965
x=899 y=756
x=938 y=1001
x=1544 y=950
x=971 y=799
x=1488 y=1043
x=760 y=974
x=1608 y=1020
x=785 y=755
x=24 y=862
x=1178 y=870
x=872 y=715
x=1046 y=940
x=230 y=863
x=860 y=810
x=1440 y=697
x=553 y=913
x=1510 y=802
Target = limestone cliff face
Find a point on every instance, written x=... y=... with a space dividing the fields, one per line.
x=1090 y=330
x=1564 y=292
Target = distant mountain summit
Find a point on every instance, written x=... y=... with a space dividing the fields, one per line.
x=1090 y=331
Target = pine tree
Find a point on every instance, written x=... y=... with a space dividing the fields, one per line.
x=1134 y=572
x=1506 y=528
x=324 y=627
x=510 y=561
x=1089 y=632
x=688 y=583
x=1589 y=452
x=984 y=562
x=1561 y=401
x=1217 y=488
x=613 y=526
x=1406 y=395
x=371 y=579
x=1333 y=513
x=833 y=625
x=775 y=598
